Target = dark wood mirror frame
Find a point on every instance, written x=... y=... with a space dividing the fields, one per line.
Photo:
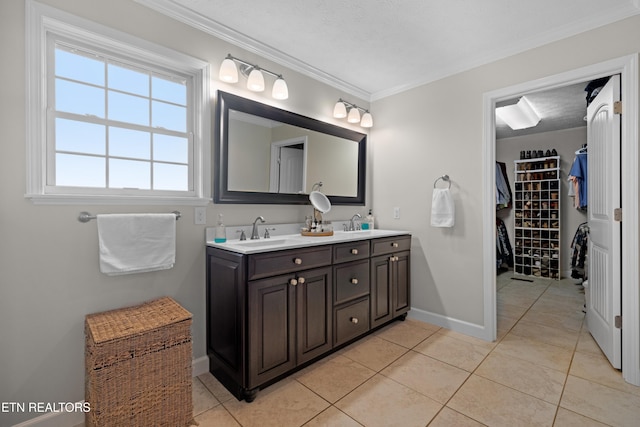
x=222 y=194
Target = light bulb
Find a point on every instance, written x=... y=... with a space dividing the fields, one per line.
x=256 y=81
x=280 y=89
x=229 y=71
x=354 y=115
x=339 y=111
x=367 y=120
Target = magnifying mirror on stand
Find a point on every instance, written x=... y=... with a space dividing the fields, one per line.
x=321 y=205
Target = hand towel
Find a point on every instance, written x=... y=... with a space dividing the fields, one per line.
x=136 y=243
x=442 y=208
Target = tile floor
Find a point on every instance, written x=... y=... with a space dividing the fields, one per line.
x=544 y=370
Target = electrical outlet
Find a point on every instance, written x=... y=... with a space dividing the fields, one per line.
x=200 y=215
x=396 y=213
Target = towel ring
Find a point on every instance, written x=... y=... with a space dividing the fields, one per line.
x=444 y=178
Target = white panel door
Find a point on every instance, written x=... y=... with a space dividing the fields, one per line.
x=603 y=291
x=291 y=170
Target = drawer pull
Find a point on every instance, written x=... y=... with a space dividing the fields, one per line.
x=354 y=251
x=297 y=261
x=354 y=281
x=354 y=320
x=395 y=245
x=301 y=280
x=393 y=258
x=293 y=282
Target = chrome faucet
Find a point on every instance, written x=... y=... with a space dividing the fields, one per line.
x=254 y=232
x=352 y=226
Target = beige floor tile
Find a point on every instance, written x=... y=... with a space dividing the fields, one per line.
x=504 y=308
x=468 y=338
x=536 y=352
x=374 y=353
x=421 y=324
x=535 y=380
x=447 y=417
x=519 y=299
x=214 y=386
x=460 y=353
x=216 y=417
x=496 y=405
x=566 y=418
x=332 y=417
x=586 y=343
x=596 y=368
x=406 y=334
x=601 y=403
x=335 y=377
x=385 y=403
x=560 y=337
x=428 y=376
x=504 y=326
x=286 y=403
x=203 y=400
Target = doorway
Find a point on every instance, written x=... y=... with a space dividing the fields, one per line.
x=288 y=166
x=627 y=67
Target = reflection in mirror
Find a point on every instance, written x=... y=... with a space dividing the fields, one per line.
x=268 y=155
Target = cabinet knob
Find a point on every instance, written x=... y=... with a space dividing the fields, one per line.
x=394 y=244
x=354 y=320
x=396 y=258
x=354 y=251
x=293 y=282
x=393 y=258
x=297 y=261
x=354 y=281
x=301 y=280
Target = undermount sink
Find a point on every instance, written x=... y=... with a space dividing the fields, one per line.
x=259 y=243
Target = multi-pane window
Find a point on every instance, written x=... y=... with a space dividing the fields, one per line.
x=111 y=119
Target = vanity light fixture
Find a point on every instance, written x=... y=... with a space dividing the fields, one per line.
x=340 y=112
x=520 y=115
x=255 y=76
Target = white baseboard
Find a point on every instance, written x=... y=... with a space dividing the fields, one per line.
x=456 y=325
x=199 y=366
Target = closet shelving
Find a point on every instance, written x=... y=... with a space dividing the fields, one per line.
x=537 y=217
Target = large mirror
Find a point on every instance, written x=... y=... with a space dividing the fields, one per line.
x=267 y=155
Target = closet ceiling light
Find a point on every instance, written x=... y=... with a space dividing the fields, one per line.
x=520 y=115
x=340 y=112
x=255 y=76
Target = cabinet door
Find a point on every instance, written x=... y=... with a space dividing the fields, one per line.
x=314 y=314
x=381 y=295
x=401 y=283
x=271 y=315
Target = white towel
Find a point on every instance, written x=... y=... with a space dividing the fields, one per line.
x=442 y=208
x=136 y=243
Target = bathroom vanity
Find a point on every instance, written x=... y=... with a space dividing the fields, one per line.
x=276 y=305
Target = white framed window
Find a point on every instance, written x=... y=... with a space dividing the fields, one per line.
x=112 y=119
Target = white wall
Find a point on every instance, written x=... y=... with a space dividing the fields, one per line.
x=438 y=129
x=49 y=274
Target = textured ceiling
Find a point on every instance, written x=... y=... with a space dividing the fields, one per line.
x=372 y=49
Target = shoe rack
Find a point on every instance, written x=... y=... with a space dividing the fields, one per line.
x=537 y=217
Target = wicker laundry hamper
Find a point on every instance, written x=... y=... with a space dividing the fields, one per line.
x=138 y=366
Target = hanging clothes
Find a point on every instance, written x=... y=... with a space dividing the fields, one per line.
x=579 y=246
x=504 y=252
x=578 y=179
x=503 y=189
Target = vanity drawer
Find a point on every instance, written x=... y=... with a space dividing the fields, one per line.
x=351 y=321
x=351 y=281
x=351 y=251
x=389 y=245
x=280 y=262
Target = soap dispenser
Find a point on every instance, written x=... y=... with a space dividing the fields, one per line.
x=221 y=231
x=370 y=220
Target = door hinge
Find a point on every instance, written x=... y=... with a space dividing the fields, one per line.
x=617 y=322
x=617 y=107
x=617 y=214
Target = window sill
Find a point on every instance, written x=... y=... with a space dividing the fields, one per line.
x=48 y=199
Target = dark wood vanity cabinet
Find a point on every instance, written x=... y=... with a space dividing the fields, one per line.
x=270 y=313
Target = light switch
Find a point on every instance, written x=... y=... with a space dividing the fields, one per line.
x=200 y=215
x=396 y=213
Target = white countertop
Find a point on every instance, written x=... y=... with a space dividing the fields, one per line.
x=290 y=241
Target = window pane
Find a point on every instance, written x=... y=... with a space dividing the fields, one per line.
x=81 y=137
x=80 y=171
x=79 y=67
x=128 y=108
x=169 y=90
x=169 y=116
x=129 y=174
x=127 y=80
x=170 y=177
x=170 y=148
x=79 y=98
x=129 y=143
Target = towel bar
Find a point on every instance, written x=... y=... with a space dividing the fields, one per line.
x=444 y=178
x=86 y=216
